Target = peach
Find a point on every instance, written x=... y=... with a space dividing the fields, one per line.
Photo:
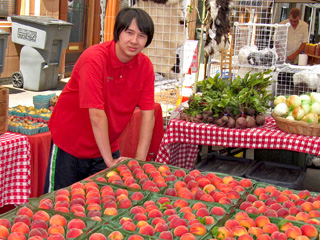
x=180 y=230
x=155 y=213
x=270 y=201
x=218 y=211
x=247 y=222
x=94 y=213
x=4 y=232
x=239 y=231
x=16 y=236
x=140 y=217
x=245 y=237
x=188 y=178
x=110 y=204
x=56 y=236
x=263 y=208
x=259 y=190
x=288 y=204
x=240 y=216
x=282 y=198
x=25 y=211
x=180 y=203
x=256 y=231
x=304 y=194
x=41 y=215
x=198 y=229
x=309 y=231
x=115 y=235
x=125 y=203
x=302 y=238
x=179 y=173
x=278 y=236
x=97 y=236
x=206 y=198
x=76 y=223
x=264 y=237
x=299 y=201
x=160 y=227
x=157 y=220
x=258 y=204
x=271 y=213
x=56 y=229
x=285 y=226
x=22 y=218
x=188 y=236
x=147 y=230
x=111 y=211
x=79 y=201
x=314 y=213
x=171 y=192
x=270 y=228
x=93 y=206
x=166 y=235
x=204 y=182
x=261 y=221
x=202 y=212
x=185 y=209
x=252 y=210
x=209 y=220
x=129 y=226
x=169 y=212
x=137 y=196
x=38 y=232
x=307 y=206
x=163 y=168
x=293 y=232
x=39 y=224
x=245 y=182
x=218 y=195
x=264 y=196
x=175 y=222
x=78 y=195
x=5 y=222
x=46 y=205
x=137 y=209
x=189 y=216
x=251 y=198
x=20 y=227
x=58 y=219
x=283 y=212
x=35 y=238
x=294 y=210
x=77 y=208
x=224 y=233
x=302 y=216
x=231 y=223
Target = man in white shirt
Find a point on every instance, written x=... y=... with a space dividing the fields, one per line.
x=298 y=36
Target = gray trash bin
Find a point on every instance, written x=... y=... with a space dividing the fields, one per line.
x=3 y=45
x=43 y=39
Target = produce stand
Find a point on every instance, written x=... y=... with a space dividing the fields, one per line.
x=106 y=205
x=179 y=146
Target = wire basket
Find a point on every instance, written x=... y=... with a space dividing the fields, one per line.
x=297 y=127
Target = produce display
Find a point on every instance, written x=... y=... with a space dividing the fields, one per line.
x=304 y=108
x=105 y=207
x=240 y=103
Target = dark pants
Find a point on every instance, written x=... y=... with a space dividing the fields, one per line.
x=64 y=169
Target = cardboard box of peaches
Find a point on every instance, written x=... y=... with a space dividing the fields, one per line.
x=147 y=200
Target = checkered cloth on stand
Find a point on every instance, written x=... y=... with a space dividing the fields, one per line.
x=14 y=169
x=180 y=142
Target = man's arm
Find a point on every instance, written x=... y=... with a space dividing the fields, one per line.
x=99 y=122
x=296 y=53
x=145 y=135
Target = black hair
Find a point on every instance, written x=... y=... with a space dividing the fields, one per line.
x=124 y=19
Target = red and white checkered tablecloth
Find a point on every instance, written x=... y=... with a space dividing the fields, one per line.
x=14 y=169
x=180 y=142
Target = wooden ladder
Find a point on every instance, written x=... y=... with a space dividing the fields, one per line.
x=226 y=61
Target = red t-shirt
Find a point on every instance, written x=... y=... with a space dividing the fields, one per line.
x=99 y=80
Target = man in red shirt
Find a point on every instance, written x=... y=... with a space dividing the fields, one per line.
x=108 y=82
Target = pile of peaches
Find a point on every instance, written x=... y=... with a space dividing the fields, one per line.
x=36 y=224
x=145 y=200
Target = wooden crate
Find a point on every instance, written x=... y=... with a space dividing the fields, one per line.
x=4 y=104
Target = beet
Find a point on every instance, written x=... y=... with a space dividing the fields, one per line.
x=250 y=111
x=260 y=119
x=183 y=116
x=231 y=123
x=251 y=122
x=241 y=123
x=210 y=119
x=222 y=121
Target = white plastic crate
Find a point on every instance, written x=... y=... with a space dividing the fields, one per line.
x=297 y=80
x=260 y=45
